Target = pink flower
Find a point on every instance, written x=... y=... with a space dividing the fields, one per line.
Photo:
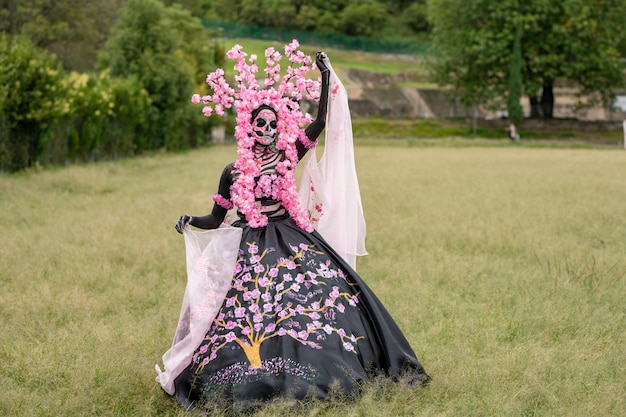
x=245 y=96
x=289 y=49
x=222 y=201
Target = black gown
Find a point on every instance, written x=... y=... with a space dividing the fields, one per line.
x=298 y=322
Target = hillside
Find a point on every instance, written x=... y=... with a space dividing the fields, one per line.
x=394 y=93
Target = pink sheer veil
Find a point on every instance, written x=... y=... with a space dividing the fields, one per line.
x=211 y=258
x=333 y=183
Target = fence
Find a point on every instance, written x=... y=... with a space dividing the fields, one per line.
x=235 y=30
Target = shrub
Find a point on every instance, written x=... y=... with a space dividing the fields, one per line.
x=415 y=17
x=31 y=97
x=104 y=118
x=363 y=19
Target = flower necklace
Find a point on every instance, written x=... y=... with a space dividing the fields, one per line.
x=283 y=96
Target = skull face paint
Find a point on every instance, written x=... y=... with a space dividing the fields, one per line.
x=264 y=127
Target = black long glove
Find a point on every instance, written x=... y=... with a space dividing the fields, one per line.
x=217 y=215
x=183 y=221
x=314 y=129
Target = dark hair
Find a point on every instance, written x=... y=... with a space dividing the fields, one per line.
x=256 y=111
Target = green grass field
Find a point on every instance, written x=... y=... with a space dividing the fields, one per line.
x=504 y=266
x=339 y=58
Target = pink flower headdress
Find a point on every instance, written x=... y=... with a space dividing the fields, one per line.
x=282 y=95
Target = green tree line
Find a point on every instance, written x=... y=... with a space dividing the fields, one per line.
x=133 y=97
x=101 y=79
x=110 y=78
x=75 y=30
x=387 y=18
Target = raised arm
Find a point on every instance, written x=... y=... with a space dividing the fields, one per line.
x=314 y=129
x=217 y=215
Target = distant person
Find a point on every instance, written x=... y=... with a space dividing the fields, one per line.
x=295 y=320
x=512 y=132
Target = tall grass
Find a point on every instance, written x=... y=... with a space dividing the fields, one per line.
x=504 y=267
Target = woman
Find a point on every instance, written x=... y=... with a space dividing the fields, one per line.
x=296 y=321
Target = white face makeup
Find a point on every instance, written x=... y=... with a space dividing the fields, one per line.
x=264 y=127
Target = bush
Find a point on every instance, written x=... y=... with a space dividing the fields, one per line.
x=415 y=17
x=363 y=19
x=146 y=44
x=31 y=97
x=104 y=118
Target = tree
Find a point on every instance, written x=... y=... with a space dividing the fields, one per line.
x=363 y=18
x=146 y=44
x=415 y=17
x=276 y=13
x=573 y=41
x=307 y=18
x=199 y=47
x=74 y=30
x=30 y=100
x=514 y=108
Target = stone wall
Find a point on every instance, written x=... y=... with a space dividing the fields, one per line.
x=373 y=94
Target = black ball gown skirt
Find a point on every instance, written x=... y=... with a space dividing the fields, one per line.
x=298 y=323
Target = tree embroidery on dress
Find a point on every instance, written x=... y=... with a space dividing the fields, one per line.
x=275 y=300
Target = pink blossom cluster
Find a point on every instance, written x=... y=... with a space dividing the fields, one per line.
x=222 y=201
x=264 y=304
x=281 y=95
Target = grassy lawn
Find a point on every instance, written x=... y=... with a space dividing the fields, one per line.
x=459 y=132
x=503 y=265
